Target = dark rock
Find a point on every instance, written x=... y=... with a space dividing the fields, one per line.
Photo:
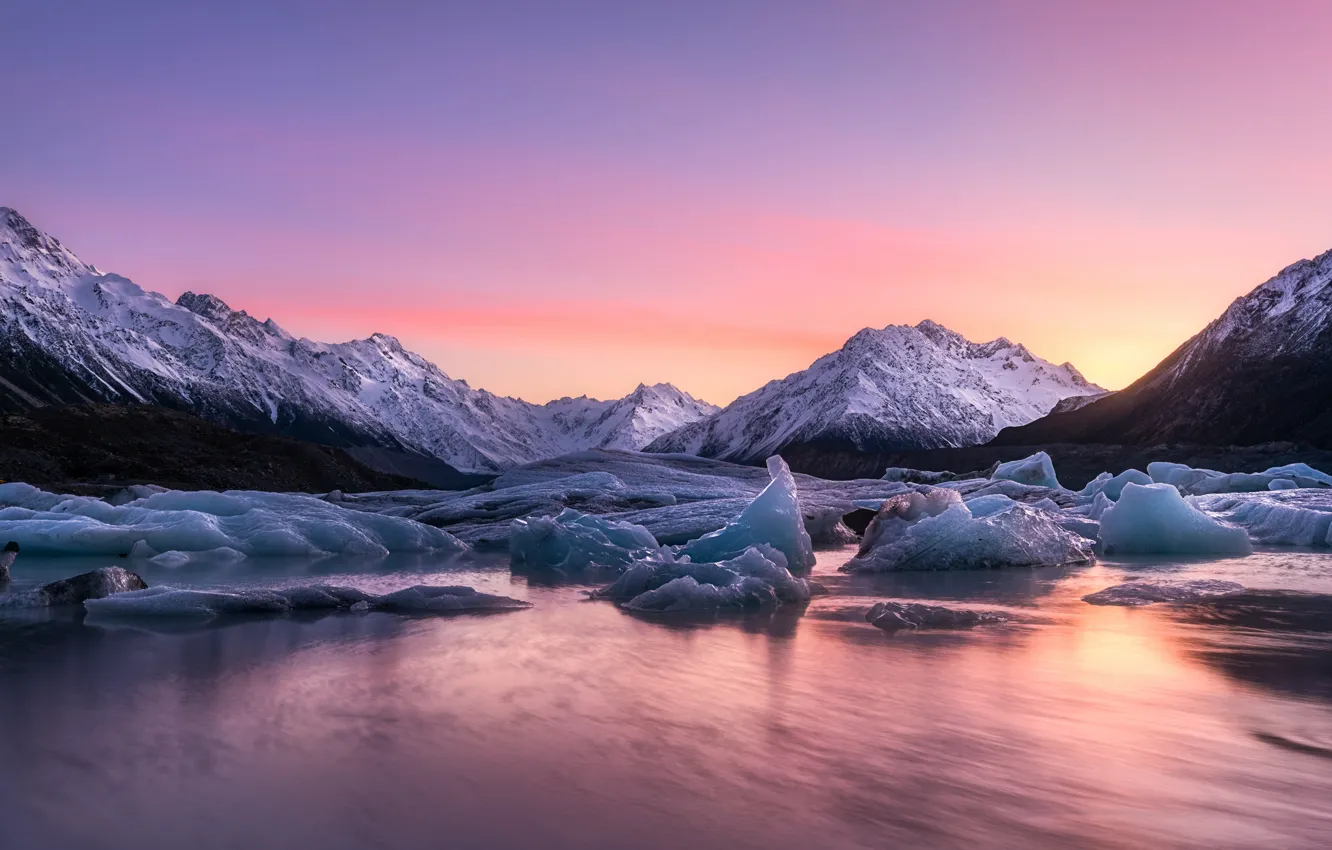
x=7 y=556
x=93 y=585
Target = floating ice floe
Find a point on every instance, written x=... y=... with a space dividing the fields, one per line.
x=774 y=519
x=898 y=513
x=676 y=497
x=1036 y=470
x=206 y=604
x=247 y=522
x=1276 y=518
x=756 y=578
x=575 y=542
x=1019 y=536
x=1201 y=482
x=1156 y=519
x=895 y=616
x=1135 y=593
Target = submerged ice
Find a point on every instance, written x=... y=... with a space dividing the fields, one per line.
x=189 y=603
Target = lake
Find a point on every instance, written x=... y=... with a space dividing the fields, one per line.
x=575 y=725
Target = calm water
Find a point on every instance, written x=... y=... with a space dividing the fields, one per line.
x=573 y=725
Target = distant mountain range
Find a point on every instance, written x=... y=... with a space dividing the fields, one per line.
x=901 y=388
x=71 y=334
x=1260 y=373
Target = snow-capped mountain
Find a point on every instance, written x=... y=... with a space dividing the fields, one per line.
x=896 y=389
x=1261 y=372
x=70 y=333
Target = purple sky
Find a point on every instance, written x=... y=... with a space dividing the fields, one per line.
x=555 y=198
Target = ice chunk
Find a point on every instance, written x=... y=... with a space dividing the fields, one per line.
x=1290 y=518
x=895 y=616
x=773 y=518
x=1113 y=485
x=1201 y=482
x=757 y=578
x=1282 y=484
x=1036 y=470
x=574 y=542
x=1134 y=593
x=898 y=513
x=1155 y=519
x=1296 y=471
x=955 y=540
x=206 y=604
x=250 y=522
x=992 y=504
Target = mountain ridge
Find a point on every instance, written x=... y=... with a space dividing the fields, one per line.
x=72 y=334
x=897 y=388
x=1259 y=372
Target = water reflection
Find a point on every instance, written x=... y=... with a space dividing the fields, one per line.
x=574 y=725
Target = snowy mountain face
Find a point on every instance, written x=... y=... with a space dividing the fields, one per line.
x=1260 y=372
x=69 y=333
x=897 y=389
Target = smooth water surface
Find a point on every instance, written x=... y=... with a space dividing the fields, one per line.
x=574 y=725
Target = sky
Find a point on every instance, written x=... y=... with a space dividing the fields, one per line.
x=563 y=198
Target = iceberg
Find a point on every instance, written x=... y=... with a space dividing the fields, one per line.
x=188 y=603
x=1036 y=470
x=1113 y=485
x=774 y=518
x=1155 y=519
x=249 y=523
x=1282 y=484
x=756 y=578
x=895 y=616
x=1020 y=536
x=573 y=542
x=1135 y=593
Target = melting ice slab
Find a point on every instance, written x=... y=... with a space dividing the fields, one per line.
x=250 y=523
x=1135 y=593
x=207 y=604
x=772 y=519
x=575 y=542
x=1155 y=519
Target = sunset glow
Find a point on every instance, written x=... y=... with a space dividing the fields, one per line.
x=553 y=202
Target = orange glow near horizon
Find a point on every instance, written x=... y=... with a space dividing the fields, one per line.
x=569 y=202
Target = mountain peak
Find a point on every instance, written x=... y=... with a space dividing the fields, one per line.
x=38 y=255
